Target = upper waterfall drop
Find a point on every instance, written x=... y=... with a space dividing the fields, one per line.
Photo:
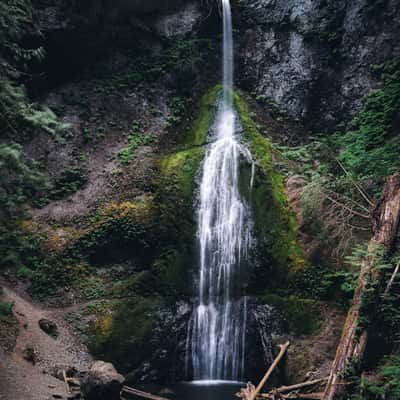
x=224 y=233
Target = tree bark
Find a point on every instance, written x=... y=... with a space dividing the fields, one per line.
x=353 y=341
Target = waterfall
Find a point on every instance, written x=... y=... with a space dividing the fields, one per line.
x=224 y=233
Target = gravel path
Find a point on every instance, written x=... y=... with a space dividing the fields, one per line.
x=23 y=380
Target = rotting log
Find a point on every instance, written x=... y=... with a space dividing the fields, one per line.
x=385 y=222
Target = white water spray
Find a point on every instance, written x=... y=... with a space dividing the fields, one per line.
x=217 y=332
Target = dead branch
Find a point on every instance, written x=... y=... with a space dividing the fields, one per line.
x=390 y=283
x=283 y=348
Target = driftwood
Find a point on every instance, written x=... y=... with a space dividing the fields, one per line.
x=250 y=392
x=353 y=341
x=140 y=393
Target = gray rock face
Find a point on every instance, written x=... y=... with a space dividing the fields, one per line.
x=102 y=382
x=313 y=58
x=180 y=22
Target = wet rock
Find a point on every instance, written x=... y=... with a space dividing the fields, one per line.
x=48 y=327
x=102 y=382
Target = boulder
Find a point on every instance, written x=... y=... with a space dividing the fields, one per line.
x=29 y=354
x=102 y=382
x=49 y=327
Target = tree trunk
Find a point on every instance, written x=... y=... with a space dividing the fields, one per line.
x=353 y=341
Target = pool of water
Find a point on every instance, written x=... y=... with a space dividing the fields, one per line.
x=194 y=390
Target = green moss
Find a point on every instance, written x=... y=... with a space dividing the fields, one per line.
x=198 y=132
x=275 y=223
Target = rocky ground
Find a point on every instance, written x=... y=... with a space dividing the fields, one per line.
x=33 y=369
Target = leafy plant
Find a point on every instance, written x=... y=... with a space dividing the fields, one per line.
x=136 y=139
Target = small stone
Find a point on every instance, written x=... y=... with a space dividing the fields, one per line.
x=48 y=327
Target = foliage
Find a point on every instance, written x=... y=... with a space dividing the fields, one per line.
x=19 y=182
x=16 y=18
x=136 y=138
x=324 y=283
x=385 y=384
x=370 y=149
x=17 y=113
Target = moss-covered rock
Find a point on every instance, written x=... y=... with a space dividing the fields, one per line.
x=118 y=231
x=279 y=249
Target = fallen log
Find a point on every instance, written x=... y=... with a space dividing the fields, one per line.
x=283 y=348
x=354 y=338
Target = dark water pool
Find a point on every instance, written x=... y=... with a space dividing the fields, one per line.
x=195 y=390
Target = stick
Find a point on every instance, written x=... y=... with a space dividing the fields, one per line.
x=140 y=393
x=66 y=381
x=270 y=370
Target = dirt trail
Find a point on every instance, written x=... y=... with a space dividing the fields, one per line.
x=22 y=380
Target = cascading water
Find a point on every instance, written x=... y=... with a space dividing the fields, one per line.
x=217 y=332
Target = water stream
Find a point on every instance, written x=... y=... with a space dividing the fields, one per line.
x=224 y=232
